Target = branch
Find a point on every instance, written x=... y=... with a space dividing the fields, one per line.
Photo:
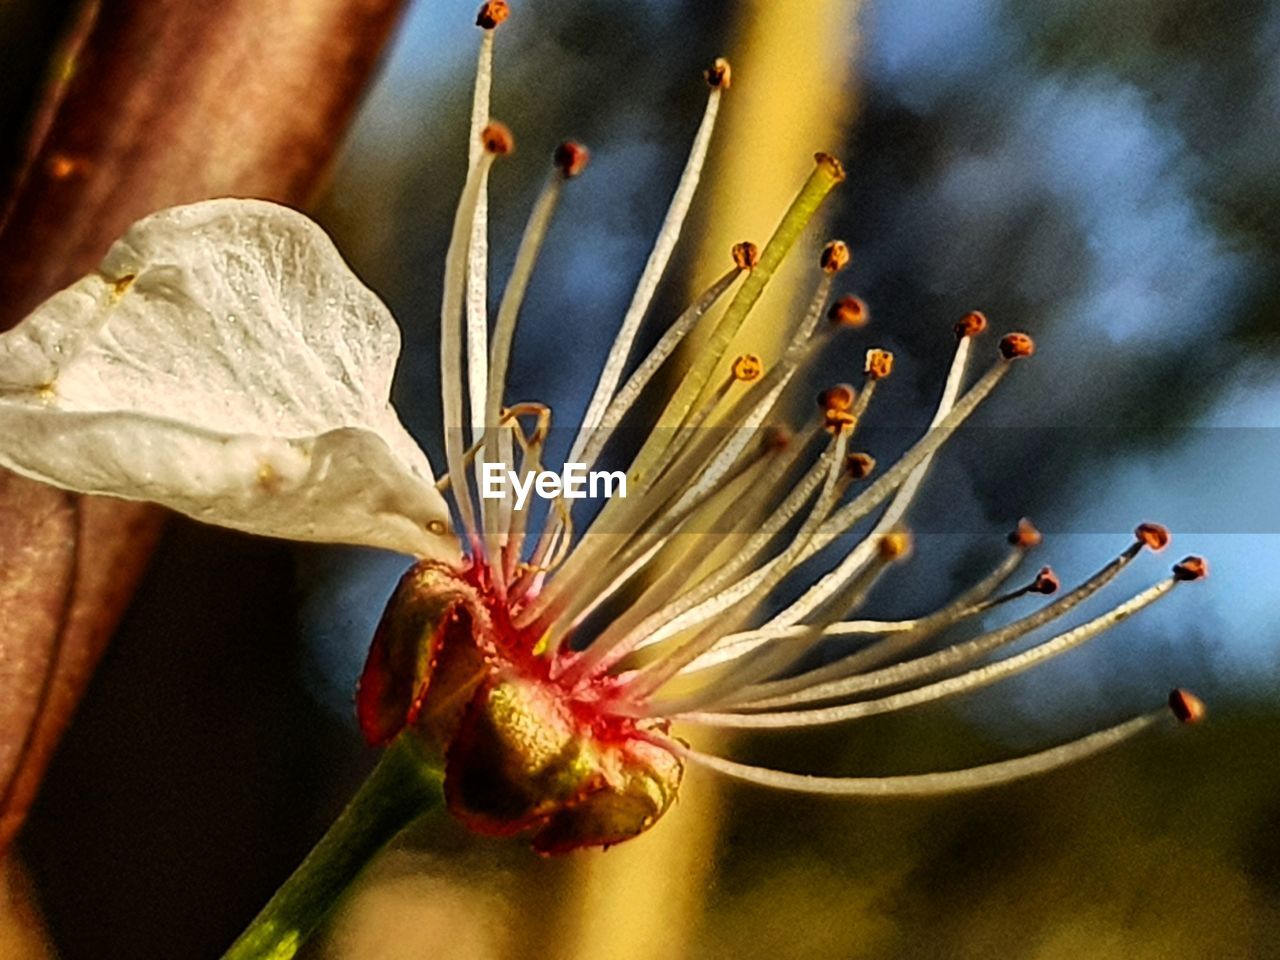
x=162 y=102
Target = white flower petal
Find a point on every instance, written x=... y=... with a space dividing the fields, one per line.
x=224 y=361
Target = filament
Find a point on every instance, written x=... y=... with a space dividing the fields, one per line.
x=653 y=271
x=927 y=784
x=478 y=258
x=963 y=683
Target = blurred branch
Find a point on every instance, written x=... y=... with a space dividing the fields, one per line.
x=159 y=102
x=21 y=927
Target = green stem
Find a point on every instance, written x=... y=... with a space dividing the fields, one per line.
x=401 y=788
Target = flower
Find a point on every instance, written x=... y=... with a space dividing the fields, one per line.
x=225 y=362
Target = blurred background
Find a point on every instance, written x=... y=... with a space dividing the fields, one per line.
x=1105 y=176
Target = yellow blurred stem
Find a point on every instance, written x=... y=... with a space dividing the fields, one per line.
x=401 y=788
x=791 y=58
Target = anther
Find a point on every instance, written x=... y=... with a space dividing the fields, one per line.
x=497 y=139
x=1025 y=535
x=1191 y=568
x=746 y=255
x=971 y=324
x=859 y=465
x=849 y=311
x=1186 y=706
x=493 y=13
x=1014 y=346
x=835 y=256
x=894 y=546
x=776 y=438
x=571 y=158
x=833 y=165
x=1046 y=582
x=719 y=74
x=840 y=397
x=747 y=368
x=1153 y=535
x=879 y=364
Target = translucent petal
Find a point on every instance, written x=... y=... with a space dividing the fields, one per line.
x=225 y=362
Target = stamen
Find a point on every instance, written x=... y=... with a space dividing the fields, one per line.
x=651 y=678
x=666 y=345
x=745 y=369
x=570 y=159
x=1026 y=536
x=706 y=608
x=719 y=74
x=951 y=657
x=1186 y=706
x=827 y=173
x=756 y=406
x=531 y=463
x=971 y=325
x=644 y=620
x=497 y=141
x=798 y=639
x=733 y=497
x=860 y=465
x=491 y=14
x=1016 y=345
x=879 y=364
x=927 y=784
x=756 y=508
x=756 y=665
x=718 y=80
x=858 y=558
x=850 y=312
x=901 y=636
x=519 y=409
x=854 y=511
x=746 y=255
x=1191 y=568
x=835 y=256
x=773 y=441
x=963 y=683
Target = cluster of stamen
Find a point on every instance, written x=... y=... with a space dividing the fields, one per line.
x=626 y=624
